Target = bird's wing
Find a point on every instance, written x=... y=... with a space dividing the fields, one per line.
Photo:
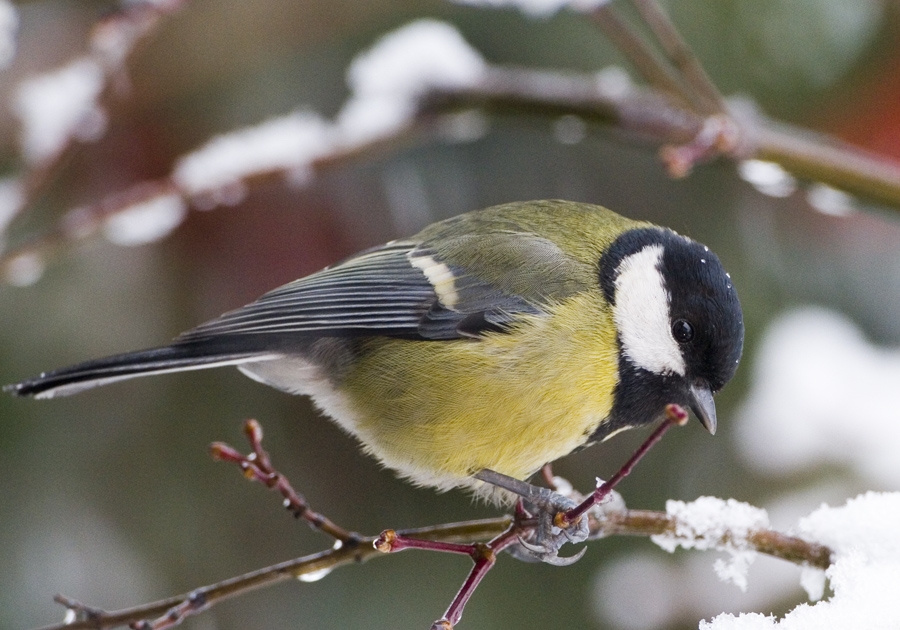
x=407 y=289
x=411 y=289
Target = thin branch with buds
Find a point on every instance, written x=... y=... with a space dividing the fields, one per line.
x=466 y=538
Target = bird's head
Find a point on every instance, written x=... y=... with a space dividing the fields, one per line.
x=679 y=325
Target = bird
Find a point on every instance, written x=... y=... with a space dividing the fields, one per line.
x=500 y=339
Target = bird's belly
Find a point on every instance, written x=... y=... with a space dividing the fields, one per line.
x=439 y=411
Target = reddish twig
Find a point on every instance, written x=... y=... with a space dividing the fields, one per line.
x=462 y=538
x=675 y=416
x=258 y=467
x=484 y=556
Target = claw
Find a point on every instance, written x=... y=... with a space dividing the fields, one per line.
x=548 y=555
x=534 y=549
x=559 y=561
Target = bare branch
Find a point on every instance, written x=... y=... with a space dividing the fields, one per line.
x=465 y=538
x=705 y=94
x=819 y=157
x=647 y=115
x=644 y=57
x=312 y=565
x=258 y=467
x=626 y=523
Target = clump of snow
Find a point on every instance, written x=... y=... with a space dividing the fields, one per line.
x=58 y=106
x=538 y=8
x=9 y=27
x=712 y=523
x=768 y=178
x=385 y=82
x=145 y=222
x=287 y=143
x=387 y=79
x=822 y=394
x=868 y=525
x=865 y=575
x=812 y=580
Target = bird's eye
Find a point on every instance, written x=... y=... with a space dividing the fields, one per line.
x=682 y=331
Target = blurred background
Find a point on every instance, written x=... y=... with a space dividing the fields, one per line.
x=110 y=498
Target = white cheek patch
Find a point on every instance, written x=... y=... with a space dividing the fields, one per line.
x=641 y=314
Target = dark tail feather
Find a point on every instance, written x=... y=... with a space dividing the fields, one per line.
x=174 y=358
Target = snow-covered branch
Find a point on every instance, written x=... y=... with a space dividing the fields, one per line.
x=855 y=546
x=422 y=79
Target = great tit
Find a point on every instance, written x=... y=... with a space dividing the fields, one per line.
x=501 y=339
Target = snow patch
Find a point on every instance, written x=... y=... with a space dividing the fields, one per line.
x=387 y=79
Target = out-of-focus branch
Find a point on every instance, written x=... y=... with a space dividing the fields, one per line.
x=740 y=132
x=608 y=99
x=645 y=58
x=648 y=115
x=682 y=114
x=706 y=94
x=604 y=98
x=821 y=158
x=158 y=206
x=85 y=86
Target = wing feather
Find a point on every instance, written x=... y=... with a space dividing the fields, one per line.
x=407 y=289
x=376 y=292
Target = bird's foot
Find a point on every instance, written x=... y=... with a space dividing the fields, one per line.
x=553 y=528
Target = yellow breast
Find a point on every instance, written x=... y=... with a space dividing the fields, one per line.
x=440 y=411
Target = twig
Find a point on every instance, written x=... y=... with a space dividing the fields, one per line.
x=465 y=538
x=258 y=467
x=705 y=94
x=644 y=58
x=626 y=523
x=675 y=416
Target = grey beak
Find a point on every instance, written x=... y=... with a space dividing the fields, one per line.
x=703 y=406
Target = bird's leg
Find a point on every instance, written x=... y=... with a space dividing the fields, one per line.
x=550 y=508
